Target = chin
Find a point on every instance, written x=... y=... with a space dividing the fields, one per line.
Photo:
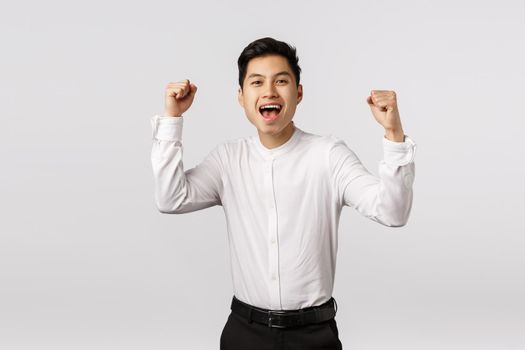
x=271 y=128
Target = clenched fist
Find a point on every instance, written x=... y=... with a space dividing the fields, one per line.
x=383 y=104
x=179 y=97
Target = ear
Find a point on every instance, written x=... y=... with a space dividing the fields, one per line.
x=240 y=97
x=299 y=93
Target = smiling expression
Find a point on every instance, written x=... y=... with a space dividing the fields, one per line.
x=270 y=80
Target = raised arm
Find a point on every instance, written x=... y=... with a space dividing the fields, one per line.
x=386 y=199
x=178 y=191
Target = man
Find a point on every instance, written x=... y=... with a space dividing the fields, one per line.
x=282 y=192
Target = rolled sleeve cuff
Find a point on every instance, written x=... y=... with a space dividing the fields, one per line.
x=166 y=128
x=399 y=153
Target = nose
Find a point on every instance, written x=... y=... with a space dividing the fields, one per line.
x=270 y=91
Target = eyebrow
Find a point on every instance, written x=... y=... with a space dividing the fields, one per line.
x=260 y=75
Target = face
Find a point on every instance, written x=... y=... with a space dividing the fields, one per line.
x=270 y=80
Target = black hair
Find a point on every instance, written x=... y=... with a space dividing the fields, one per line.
x=268 y=46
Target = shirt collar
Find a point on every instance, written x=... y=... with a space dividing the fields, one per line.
x=274 y=152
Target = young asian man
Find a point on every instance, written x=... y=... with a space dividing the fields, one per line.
x=282 y=192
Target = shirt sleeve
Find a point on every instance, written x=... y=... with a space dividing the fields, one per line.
x=179 y=191
x=387 y=198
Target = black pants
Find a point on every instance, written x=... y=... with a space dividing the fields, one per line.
x=239 y=334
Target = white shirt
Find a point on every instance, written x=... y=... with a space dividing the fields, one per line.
x=282 y=205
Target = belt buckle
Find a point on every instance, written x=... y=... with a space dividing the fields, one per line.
x=274 y=312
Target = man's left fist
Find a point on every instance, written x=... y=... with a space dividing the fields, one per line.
x=383 y=104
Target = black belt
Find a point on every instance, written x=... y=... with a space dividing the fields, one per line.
x=285 y=318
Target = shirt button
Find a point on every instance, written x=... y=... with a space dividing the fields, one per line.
x=273 y=240
x=274 y=276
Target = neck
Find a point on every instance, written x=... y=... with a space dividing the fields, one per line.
x=275 y=140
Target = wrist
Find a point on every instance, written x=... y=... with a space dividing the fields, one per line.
x=395 y=135
x=166 y=114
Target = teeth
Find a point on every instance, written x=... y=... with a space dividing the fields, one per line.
x=271 y=106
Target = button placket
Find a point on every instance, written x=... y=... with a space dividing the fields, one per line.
x=273 y=248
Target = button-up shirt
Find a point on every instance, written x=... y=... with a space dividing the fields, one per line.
x=282 y=205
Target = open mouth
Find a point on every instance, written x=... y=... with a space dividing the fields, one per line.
x=270 y=111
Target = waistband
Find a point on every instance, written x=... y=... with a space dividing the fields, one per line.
x=285 y=318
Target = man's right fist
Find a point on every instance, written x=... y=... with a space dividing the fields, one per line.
x=179 y=97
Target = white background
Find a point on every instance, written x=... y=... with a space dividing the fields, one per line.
x=86 y=260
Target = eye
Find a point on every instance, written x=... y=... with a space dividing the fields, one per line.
x=254 y=82
x=284 y=81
